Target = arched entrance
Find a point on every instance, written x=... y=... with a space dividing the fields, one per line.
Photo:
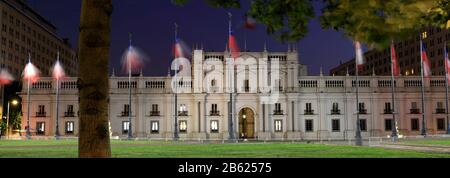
x=246 y=123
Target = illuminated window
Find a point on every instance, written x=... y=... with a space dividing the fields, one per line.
x=183 y=126
x=40 y=128
x=125 y=127
x=278 y=126
x=214 y=126
x=424 y=35
x=69 y=127
x=154 y=127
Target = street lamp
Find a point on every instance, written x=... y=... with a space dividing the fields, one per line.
x=14 y=103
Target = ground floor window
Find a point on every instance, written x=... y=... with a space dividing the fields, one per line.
x=363 y=124
x=309 y=127
x=214 y=126
x=388 y=124
x=440 y=124
x=125 y=127
x=69 y=127
x=183 y=126
x=278 y=126
x=40 y=128
x=154 y=127
x=415 y=124
x=335 y=125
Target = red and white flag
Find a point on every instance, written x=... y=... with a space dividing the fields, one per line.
x=58 y=71
x=359 y=56
x=5 y=77
x=447 y=63
x=425 y=61
x=394 y=61
x=31 y=72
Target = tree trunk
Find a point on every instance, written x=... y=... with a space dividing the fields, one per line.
x=93 y=82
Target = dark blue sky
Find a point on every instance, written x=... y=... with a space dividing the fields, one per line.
x=152 y=25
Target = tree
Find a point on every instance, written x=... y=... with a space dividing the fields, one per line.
x=378 y=22
x=93 y=82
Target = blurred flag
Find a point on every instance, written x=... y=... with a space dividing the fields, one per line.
x=394 y=61
x=249 y=23
x=58 y=71
x=5 y=77
x=425 y=62
x=359 y=56
x=178 y=49
x=31 y=73
x=232 y=44
x=447 y=63
x=133 y=60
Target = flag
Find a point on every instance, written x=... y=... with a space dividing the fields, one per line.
x=58 y=71
x=232 y=44
x=425 y=63
x=249 y=23
x=5 y=77
x=447 y=63
x=394 y=61
x=359 y=56
x=31 y=73
x=133 y=60
x=178 y=49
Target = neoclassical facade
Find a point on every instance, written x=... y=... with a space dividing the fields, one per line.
x=272 y=98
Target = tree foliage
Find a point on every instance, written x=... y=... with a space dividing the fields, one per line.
x=378 y=22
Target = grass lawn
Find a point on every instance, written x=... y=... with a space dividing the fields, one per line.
x=161 y=149
x=445 y=142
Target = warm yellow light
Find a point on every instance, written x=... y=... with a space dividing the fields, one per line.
x=14 y=102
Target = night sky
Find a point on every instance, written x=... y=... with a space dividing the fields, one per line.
x=152 y=25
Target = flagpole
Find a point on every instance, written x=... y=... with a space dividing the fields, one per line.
x=394 y=125
x=130 y=134
x=446 y=85
x=358 y=138
x=28 y=103
x=175 y=133
x=230 y=125
x=423 y=130
x=57 y=103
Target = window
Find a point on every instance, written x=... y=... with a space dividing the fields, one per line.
x=335 y=109
x=440 y=124
x=335 y=125
x=388 y=124
x=69 y=112
x=183 y=110
x=309 y=125
x=154 y=127
x=125 y=127
x=363 y=124
x=213 y=82
x=183 y=126
x=362 y=108
x=308 y=110
x=387 y=108
x=69 y=127
x=40 y=128
x=214 y=126
x=440 y=108
x=414 y=109
x=126 y=110
x=41 y=111
x=278 y=110
x=246 y=86
x=278 y=126
x=214 y=111
x=415 y=124
x=155 y=110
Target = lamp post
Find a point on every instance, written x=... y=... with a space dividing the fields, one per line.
x=14 y=103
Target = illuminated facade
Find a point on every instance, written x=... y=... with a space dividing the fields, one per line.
x=305 y=107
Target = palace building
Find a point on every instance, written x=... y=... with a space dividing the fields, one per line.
x=273 y=97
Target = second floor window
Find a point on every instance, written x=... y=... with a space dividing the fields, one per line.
x=387 y=108
x=309 y=110
x=214 y=111
x=126 y=110
x=41 y=109
x=183 y=110
x=69 y=112
x=414 y=109
x=440 y=108
x=246 y=86
x=154 y=107
x=278 y=110
x=335 y=109
x=155 y=110
x=362 y=108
